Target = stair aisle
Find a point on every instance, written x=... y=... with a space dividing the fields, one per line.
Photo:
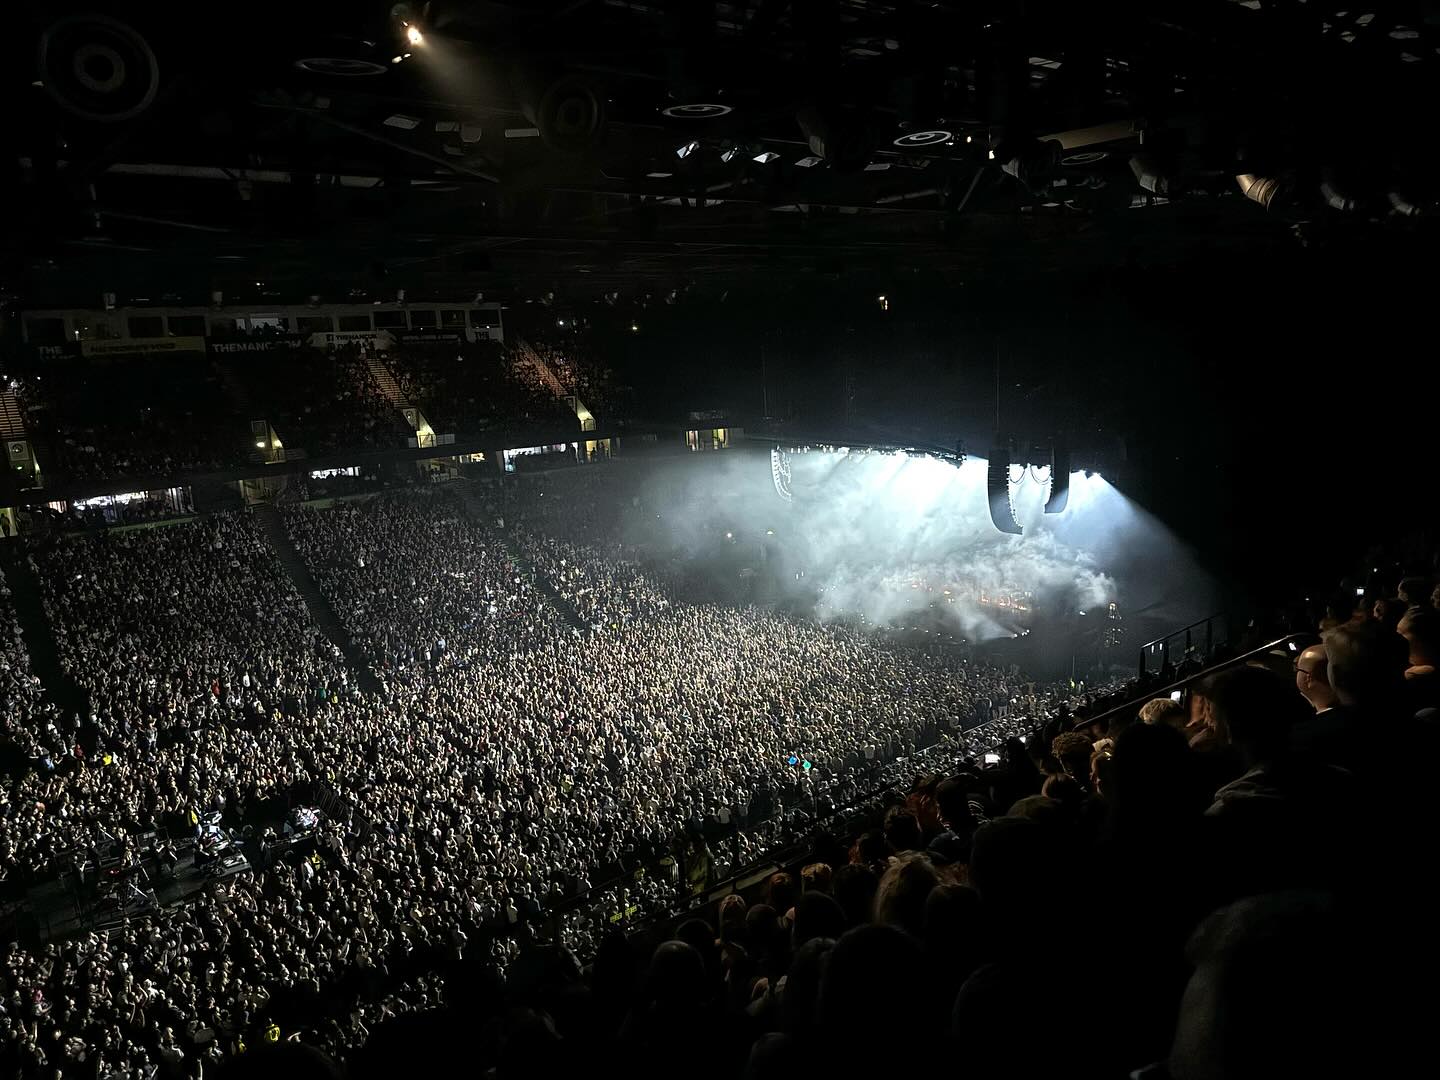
x=386 y=381
x=39 y=636
x=563 y=607
x=319 y=608
x=12 y=417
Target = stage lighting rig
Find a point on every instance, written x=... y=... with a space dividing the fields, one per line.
x=407 y=21
x=1033 y=162
x=1002 y=507
x=1059 y=481
x=1151 y=176
x=1264 y=190
x=780 y=473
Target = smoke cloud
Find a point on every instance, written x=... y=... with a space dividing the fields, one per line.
x=904 y=540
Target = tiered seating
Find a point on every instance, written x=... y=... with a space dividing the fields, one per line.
x=469 y=389
x=29 y=731
x=453 y=598
x=505 y=766
x=579 y=370
x=183 y=637
x=321 y=400
x=12 y=419
x=151 y=417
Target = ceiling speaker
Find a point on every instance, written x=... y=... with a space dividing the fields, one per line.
x=97 y=68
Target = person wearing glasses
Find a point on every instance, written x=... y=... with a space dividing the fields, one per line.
x=1330 y=735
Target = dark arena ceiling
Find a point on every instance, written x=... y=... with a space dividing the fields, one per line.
x=318 y=148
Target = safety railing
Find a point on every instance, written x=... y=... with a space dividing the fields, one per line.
x=1290 y=644
x=1200 y=636
x=776 y=831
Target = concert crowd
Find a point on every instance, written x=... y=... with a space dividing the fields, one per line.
x=507 y=796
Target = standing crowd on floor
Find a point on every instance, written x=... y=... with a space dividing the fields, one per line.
x=505 y=770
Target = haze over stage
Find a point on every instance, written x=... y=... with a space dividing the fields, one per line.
x=903 y=539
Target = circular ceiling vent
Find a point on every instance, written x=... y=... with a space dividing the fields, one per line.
x=1085 y=157
x=572 y=116
x=696 y=112
x=97 y=68
x=918 y=139
x=342 y=66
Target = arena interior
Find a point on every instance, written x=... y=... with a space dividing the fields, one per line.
x=725 y=540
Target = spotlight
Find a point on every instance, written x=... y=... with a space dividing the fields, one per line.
x=685 y=151
x=1059 y=482
x=839 y=136
x=1401 y=205
x=1260 y=189
x=883 y=301
x=634 y=328
x=765 y=157
x=414 y=36
x=1033 y=162
x=1333 y=190
x=1149 y=176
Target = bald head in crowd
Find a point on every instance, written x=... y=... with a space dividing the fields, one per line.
x=1312 y=678
x=1421 y=631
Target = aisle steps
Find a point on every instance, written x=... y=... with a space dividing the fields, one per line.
x=39 y=635
x=477 y=512
x=319 y=607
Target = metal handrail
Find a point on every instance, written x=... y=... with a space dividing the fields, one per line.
x=1182 y=684
x=1164 y=640
x=1177 y=633
x=771 y=855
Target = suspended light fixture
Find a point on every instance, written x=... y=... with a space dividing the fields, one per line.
x=1002 y=507
x=1059 y=482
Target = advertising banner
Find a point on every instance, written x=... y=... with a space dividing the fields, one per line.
x=424 y=337
x=240 y=346
x=142 y=346
x=379 y=340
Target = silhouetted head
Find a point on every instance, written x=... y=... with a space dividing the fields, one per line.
x=900 y=899
x=676 y=977
x=870 y=987
x=1277 y=991
x=902 y=830
x=817 y=915
x=854 y=891
x=1367 y=664
x=1254 y=711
